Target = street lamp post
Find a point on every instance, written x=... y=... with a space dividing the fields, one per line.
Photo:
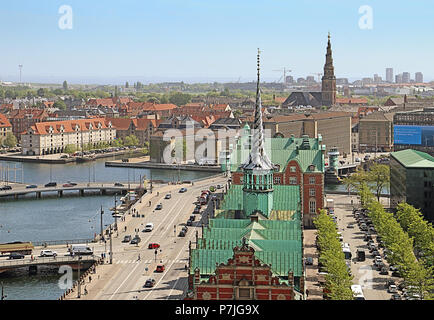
x=3 y=296
x=111 y=246
x=79 y=280
x=102 y=235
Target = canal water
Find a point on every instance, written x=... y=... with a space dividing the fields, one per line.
x=69 y=217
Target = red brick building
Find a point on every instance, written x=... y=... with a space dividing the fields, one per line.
x=243 y=277
x=300 y=162
x=23 y=119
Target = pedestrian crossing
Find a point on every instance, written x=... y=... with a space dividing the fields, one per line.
x=150 y=261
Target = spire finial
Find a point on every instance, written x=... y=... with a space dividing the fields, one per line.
x=329 y=35
x=259 y=63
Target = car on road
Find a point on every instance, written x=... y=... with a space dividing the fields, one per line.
x=196 y=210
x=182 y=190
x=309 y=261
x=358 y=160
x=16 y=255
x=150 y=283
x=51 y=184
x=149 y=227
x=135 y=240
x=396 y=296
x=363 y=227
x=153 y=246
x=367 y=157
x=31 y=186
x=127 y=238
x=219 y=186
x=192 y=217
x=392 y=289
x=160 y=268
x=375 y=253
x=168 y=196
x=48 y=253
x=350 y=226
x=67 y=185
x=389 y=282
x=212 y=188
x=117 y=184
x=393 y=268
x=396 y=273
x=182 y=233
x=384 y=271
x=189 y=222
x=360 y=255
x=159 y=206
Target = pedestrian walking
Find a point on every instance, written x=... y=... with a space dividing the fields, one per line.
x=307 y=293
x=90 y=279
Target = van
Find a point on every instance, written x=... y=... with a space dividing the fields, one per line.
x=81 y=250
x=149 y=227
x=360 y=255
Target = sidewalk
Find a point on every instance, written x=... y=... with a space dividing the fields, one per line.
x=310 y=250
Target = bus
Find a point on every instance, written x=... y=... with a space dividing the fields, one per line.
x=18 y=247
x=357 y=292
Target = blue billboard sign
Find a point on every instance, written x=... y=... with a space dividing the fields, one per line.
x=413 y=135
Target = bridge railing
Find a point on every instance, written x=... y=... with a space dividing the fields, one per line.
x=45 y=260
x=59 y=242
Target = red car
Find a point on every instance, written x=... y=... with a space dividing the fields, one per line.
x=67 y=185
x=153 y=246
x=160 y=268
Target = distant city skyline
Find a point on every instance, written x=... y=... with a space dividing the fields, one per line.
x=196 y=41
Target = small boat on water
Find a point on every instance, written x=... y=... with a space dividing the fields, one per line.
x=85 y=159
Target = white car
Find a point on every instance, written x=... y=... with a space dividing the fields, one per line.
x=149 y=227
x=392 y=289
x=48 y=253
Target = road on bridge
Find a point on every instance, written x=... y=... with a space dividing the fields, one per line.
x=125 y=278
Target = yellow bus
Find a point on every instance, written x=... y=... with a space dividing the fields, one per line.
x=19 y=247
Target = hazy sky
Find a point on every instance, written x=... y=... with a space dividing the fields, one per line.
x=113 y=41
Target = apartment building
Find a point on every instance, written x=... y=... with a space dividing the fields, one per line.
x=52 y=137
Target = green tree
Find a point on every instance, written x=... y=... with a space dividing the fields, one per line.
x=60 y=104
x=117 y=143
x=180 y=98
x=131 y=140
x=378 y=177
x=10 y=141
x=41 y=92
x=70 y=148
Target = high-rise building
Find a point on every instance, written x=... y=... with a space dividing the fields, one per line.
x=398 y=78
x=328 y=91
x=406 y=77
x=389 y=75
x=377 y=78
x=289 y=79
x=418 y=77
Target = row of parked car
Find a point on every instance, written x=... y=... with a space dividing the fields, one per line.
x=374 y=249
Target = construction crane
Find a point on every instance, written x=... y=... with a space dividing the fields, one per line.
x=285 y=70
x=319 y=76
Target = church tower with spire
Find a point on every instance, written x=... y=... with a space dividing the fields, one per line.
x=258 y=169
x=328 y=90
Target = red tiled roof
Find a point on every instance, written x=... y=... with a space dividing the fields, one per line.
x=351 y=100
x=4 y=122
x=69 y=125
